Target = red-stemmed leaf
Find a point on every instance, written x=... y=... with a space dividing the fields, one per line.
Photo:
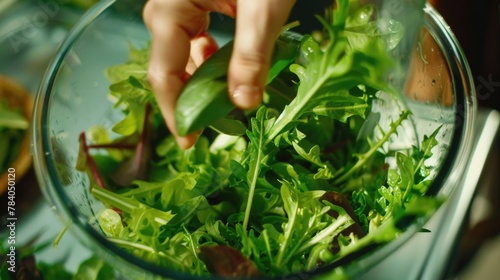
x=137 y=166
x=85 y=162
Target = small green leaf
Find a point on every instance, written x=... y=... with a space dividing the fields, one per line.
x=386 y=30
x=361 y=16
x=236 y=217
x=310 y=153
x=135 y=82
x=122 y=72
x=111 y=223
x=229 y=126
x=238 y=170
x=94 y=269
x=126 y=126
x=177 y=191
x=138 y=56
x=12 y=117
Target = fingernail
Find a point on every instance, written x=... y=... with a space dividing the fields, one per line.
x=247 y=97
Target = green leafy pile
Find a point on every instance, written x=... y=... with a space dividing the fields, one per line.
x=13 y=126
x=289 y=187
x=27 y=266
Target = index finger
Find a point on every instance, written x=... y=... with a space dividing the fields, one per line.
x=170 y=47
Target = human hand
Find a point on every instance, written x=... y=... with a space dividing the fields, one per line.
x=180 y=44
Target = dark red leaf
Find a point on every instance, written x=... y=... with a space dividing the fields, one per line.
x=339 y=199
x=226 y=261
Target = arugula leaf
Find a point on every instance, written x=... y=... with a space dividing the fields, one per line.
x=300 y=182
x=259 y=153
x=307 y=226
x=363 y=157
x=424 y=153
x=130 y=91
x=328 y=75
x=340 y=105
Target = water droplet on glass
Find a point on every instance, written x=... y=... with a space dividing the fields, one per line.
x=394 y=32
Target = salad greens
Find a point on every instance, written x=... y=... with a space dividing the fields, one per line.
x=204 y=99
x=13 y=126
x=28 y=267
x=290 y=187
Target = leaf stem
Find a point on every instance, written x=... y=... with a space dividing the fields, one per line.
x=285 y=119
x=342 y=220
x=61 y=234
x=254 y=178
x=426 y=151
x=125 y=204
x=142 y=247
x=286 y=235
x=191 y=242
x=90 y=162
x=289 y=26
x=364 y=157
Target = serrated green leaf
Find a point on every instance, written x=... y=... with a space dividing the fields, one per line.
x=308 y=152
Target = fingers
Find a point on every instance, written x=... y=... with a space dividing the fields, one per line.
x=176 y=26
x=258 y=23
x=202 y=46
x=172 y=25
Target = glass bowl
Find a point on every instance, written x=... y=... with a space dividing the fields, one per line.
x=73 y=97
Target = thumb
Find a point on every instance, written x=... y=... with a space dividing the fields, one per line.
x=258 y=24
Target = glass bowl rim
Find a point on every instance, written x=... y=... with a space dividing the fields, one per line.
x=55 y=194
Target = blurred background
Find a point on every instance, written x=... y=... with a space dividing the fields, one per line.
x=477 y=28
x=31 y=30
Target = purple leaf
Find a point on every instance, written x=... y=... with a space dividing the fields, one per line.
x=226 y=261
